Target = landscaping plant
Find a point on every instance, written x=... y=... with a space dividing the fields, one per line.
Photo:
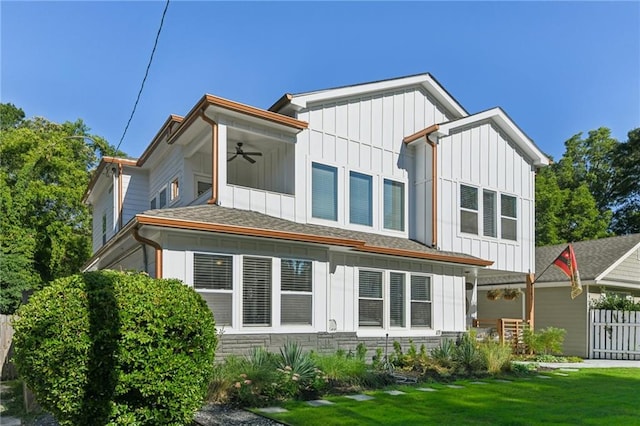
x=116 y=348
x=547 y=341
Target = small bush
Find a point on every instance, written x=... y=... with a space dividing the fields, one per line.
x=496 y=356
x=116 y=347
x=547 y=341
x=615 y=302
x=342 y=371
x=443 y=353
x=466 y=356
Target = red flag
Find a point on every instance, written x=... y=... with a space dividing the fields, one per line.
x=566 y=261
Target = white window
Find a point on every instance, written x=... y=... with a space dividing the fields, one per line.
x=420 y=301
x=213 y=279
x=256 y=291
x=324 y=191
x=393 y=205
x=489 y=221
x=371 y=304
x=175 y=189
x=509 y=217
x=397 y=295
x=162 y=197
x=468 y=209
x=296 y=286
x=360 y=199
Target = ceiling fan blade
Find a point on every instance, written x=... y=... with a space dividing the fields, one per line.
x=253 y=153
x=232 y=158
x=249 y=159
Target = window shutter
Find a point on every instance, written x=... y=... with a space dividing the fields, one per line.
x=370 y=303
x=297 y=287
x=420 y=301
x=213 y=280
x=397 y=299
x=256 y=291
x=324 y=192
x=489 y=213
x=360 y=199
x=393 y=205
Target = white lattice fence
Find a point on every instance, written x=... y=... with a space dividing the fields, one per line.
x=614 y=334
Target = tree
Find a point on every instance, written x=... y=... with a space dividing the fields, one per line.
x=46 y=229
x=10 y=116
x=626 y=217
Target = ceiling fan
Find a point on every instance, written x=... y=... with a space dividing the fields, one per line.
x=245 y=155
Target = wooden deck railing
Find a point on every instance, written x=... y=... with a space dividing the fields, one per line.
x=509 y=330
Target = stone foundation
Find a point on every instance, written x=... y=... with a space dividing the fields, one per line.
x=325 y=343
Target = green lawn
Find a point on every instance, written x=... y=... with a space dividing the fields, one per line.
x=589 y=396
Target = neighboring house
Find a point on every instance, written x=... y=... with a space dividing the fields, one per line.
x=334 y=217
x=609 y=263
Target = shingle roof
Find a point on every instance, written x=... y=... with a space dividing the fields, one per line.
x=214 y=214
x=593 y=257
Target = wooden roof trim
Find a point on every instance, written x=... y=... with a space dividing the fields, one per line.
x=281 y=103
x=244 y=230
x=307 y=238
x=441 y=257
x=210 y=100
x=166 y=128
x=420 y=134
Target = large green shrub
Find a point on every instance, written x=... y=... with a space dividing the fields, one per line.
x=116 y=348
x=548 y=341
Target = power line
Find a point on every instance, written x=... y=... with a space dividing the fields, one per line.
x=146 y=73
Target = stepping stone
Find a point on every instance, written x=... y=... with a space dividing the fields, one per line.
x=570 y=370
x=11 y=421
x=360 y=397
x=319 y=402
x=427 y=389
x=540 y=376
x=561 y=374
x=455 y=387
x=502 y=381
x=478 y=383
x=394 y=392
x=272 y=410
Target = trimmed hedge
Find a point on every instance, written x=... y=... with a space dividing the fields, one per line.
x=116 y=348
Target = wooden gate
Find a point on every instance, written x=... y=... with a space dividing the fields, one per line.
x=614 y=334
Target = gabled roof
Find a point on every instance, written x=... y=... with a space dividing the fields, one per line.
x=596 y=258
x=497 y=116
x=427 y=81
x=214 y=218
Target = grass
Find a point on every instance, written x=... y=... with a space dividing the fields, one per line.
x=589 y=396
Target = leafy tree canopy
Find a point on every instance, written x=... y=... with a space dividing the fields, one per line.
x=46 y=229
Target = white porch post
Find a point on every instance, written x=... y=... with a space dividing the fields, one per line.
x=473 y=303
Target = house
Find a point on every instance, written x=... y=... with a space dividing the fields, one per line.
x=611 y=264
x=334 y=217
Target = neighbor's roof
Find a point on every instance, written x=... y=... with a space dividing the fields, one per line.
x=594 y=258
x=215 y=218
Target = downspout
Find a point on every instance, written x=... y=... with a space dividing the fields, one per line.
x=119 y=196
x=434 y=191
x=153 y=244
x=214 y=158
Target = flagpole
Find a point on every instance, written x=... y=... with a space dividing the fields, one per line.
x=545 y=270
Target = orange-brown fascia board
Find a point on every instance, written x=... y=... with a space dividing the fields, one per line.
x=104 y=161
x=166 y=128
x=210 y=100
x=305 y=238
x=281 y=103
x=421 y=134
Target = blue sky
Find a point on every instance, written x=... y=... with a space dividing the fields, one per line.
x=557 y=68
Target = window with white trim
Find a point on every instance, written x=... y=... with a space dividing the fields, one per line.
x=256 y=291
x=489 y=222
x=468 y=209
x=393 y=205
x=509 y=217
x=296 y=287
x=213 y=279
x=360 y=199
x=420 y=301
x=324 y=191
x=175 y=189
x=371 y=305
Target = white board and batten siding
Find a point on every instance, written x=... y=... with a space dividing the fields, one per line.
x=483 y=157
x=362 y=134
x=104 y=204
x=135 y=191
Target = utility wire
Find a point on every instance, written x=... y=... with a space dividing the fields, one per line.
x=146 y=73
